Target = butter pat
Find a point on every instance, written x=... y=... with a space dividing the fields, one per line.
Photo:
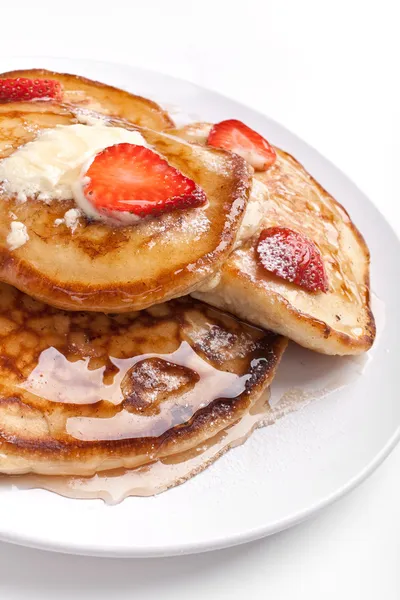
x=48 y=167
x=17 y=236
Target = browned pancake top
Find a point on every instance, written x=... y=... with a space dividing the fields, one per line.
x=339 y=321
x=102 y=98
x=101 y=267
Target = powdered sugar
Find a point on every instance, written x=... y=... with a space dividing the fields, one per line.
x=221 y=345
x=293 y=257
x=71 y=219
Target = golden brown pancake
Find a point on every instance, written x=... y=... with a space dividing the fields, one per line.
x=337 y=322
x=106 y=268
x=102 y=98
x=83 y=392
x=158 y=476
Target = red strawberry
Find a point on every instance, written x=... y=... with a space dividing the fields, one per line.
x=292 y=256
x=238 y=138
x=132 y=178
x=22 y=89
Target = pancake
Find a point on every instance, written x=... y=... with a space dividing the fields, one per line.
x=337 y=322
x=82 y=393
x=105 y=268
x=102 y=98
x=157 y=476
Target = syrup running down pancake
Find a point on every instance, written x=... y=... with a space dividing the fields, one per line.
x=157 y=476
x=82 y=393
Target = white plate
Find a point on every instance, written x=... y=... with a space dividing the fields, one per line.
x=285 y=472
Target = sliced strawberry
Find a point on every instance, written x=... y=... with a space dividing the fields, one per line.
x=132 y=178
x=292 y=256
x=23 y=89
x=235 y=136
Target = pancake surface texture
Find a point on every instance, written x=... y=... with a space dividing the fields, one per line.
x=102 y=98
x=337 y=322
x=82 y=393
x=105 y=268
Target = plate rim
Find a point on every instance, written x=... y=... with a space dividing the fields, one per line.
x=248 y=535
x=218 y=544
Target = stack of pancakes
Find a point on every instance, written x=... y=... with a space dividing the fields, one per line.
x=115 y=350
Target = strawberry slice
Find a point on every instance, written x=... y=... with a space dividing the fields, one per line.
x=127 y=177
x=235 y=136
x=292 y=256
x=23 y=89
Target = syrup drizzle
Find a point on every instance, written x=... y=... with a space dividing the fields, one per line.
x=211 y=384
x=294 y=387
x=156 y=477
x=74 y=383
x=303 y=377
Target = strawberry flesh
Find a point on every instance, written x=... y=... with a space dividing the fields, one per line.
x=235 y=136
x=292 y=256
x=23 y=89
x=134 y=179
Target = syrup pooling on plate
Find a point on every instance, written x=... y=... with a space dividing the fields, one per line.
x=158 y=476
x=295 y=386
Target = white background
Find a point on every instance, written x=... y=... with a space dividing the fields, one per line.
x=330 y=72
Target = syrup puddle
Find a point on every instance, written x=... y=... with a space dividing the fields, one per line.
x=302 y=377
x=149 y=480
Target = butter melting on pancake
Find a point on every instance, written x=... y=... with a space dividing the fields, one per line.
x=71 y=261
